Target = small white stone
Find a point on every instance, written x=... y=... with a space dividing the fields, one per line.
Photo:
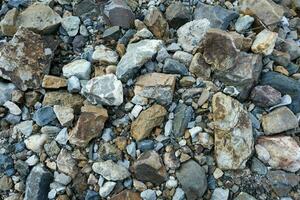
x=107 y=188
x=13 y=108
x=194 y=131
x=171 y=183
x=64 y=115
x=168 y=127
x=71 y=25
x=79 y=68
x=32 y=160
x=220 y=194
x=36 y=142
x=182 y=142
x=148 y=195
x=105 y=55
x=62 y=136
x=218 y=173
x=136 y=110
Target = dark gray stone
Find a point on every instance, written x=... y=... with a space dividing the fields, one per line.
x=112 y=33
x=146 y=145
x=86 y=8
x=193 y=180
x=258 y=167
x=172 y=66
x=265 y=96
x=177 y=14
x=44 y=116
x=183 y=115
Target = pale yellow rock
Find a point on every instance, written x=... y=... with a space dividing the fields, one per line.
x=264 y=42
x=53 y=82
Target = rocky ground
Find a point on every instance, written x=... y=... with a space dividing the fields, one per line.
x=149 y=99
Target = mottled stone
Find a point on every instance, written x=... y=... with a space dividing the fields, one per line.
x=243 y=23
x=71 y=25
x=264 y=42
x=265 y=96
x=8 y=23
x=104 y=55
x=79 y=68
x=66 y=163
x=53 y=82
x=199 y=67
x=44 y=116
x=233 y=132
x=172 y=66
x=177 y=14
x=110 y=170
x=281 y=152
x=35 y=142
x=126 y=195
x=65 y=115
x=182 y=116
x=6 y=91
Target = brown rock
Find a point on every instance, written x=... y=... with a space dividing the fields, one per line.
x=281 y=152
x=53 y=82
x=241 y=42
x=127 y=195
x=149 y=167
x=156 y=23
x=66 y=163
x=8 y=23
x=265 y=96
x=6 y=183
x=199 y=67
x=89 y=125
x=147 y=121
x=264 y=42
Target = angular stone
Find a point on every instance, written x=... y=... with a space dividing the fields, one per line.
x=233 y=132
x=177 y=14
x=65 y=115
x=24 y=127
x=106 y=89
x=267 y=11
x=53 y=82
x=279 y=120
x=183 y=115
x=137 y=54
x=66 y=163
x=191 y=34
x=157 y=86
x=107 y=188
x=156 y=23
x=147 y=121
x=119 y=13
x=39 y=18
x=104 y=55
x=199 y=67
x=79 y=68
x=243 y=23
x=6 y=90
x=110 y=170
x=193 y=179
x=89 y=125
x=281 y=152
x=25 y=59
x=126 y=195
x=244 y=196
x=172 y=66
x=71 y=25
x=86 y=9
x=265 y=96
x=218 y=17
x=35 y=142
x=264 y=42
x=8 y=23
x=44 y=116
x=220 y=194
x=150 y=168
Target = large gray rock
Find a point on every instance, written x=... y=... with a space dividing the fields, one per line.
x=177 y=14
x=110 y=170
x=233 y=132
x=137 y=54
x=38 y=184
x=6 y=90
x=218 y=17
x=193 y=180
x=106 y=89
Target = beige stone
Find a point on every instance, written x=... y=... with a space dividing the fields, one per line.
x=53 y=82
x=264 y=42
x=8 y=23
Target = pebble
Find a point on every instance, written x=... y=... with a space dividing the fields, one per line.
x=71 y=25
x=179 y=194
x=264 y=42
x=35 y=142
x=79 y=68
x=220 y=194
x=13 y=108
x=62 y=136
x=44 y=115
x=243 y=23
x=25 y=127
x=110 y=170
x=74 y=84
x=107 y=188
x=148 y=195
x=65 y=115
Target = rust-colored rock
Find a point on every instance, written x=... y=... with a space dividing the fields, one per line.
x=127 y=195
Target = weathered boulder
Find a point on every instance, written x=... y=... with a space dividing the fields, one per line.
x=177 y=14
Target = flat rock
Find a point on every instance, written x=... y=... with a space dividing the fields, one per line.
x=127 y=195
x=265 y=96
x=264 y=42
x=193 y=180
x=25 y=59
x=38 y=183
x=44 y=116
x=65 y=115
x=8 y=23
x=79 y=68
x=110 y=170
x=66 y=163
x=191 y=34
x=53 y=82
x=106 y=89
x=182 y=116
x=157 y=86
x=233 y=132
x=90 y=123
x=147 y=121
x=137 y=54
x=71 y=25
x=218 y=17
x=177 y=14
x=281 y=152
x=172 y=66
x=149 y=168
x=244 y=196
x=104 y=55
x=279 y=120
x=6 y=90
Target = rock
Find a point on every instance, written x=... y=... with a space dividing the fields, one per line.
x=86 y=9
x=71 y=25
x=285 y=85
x=220 y=194
x=291 y=47
x=110 y=170
x=192 y=178
x=39 y=18
x=191 y=34
x=104 y=55
x=266 y=11
x=264 y=42
x=282 y=182
x=179 y=194
x=90 y=123
x=25 y=59
x=172 y=66
x=281 y=152
x=62 y=178
x=279 y=120
x=119 y=14
x=137 y=54
x=183 y=115
x=183 y=57
x=6 y=90
x=66 y=163
x=144 y=34
x=65 y=115
x=106 y=89
x=112 y=33
x=258 y=167
x=44 y=116
x=217 y=16
x=6 y=183
x=38 y=183
x=8 y=23
x=109 y=152
x=149 y=168
x=230 y=65
x=177 y=14
x=79 y=68
x=107 y=188
x=156 y=23
x=147 y=121
x=127 y=195
x=53 y=82
x=74 y=84
x=243 y=23
x=24 y=127
x=148 y=195
x=13 y=108
x=62 y=136
x=265 y=96
x=157 y=86
x=36 y=142
x=199 y=67
x=244 y=196
x=233 y=132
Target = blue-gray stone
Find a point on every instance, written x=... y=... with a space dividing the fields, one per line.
x=146 y=145
x=44 y=116
x=183 y=115
x=6 y=90
x=172 y=66
x=74 y=84
x=13 y=119
x=92 y=195
x=20 y=146
x=243 y=23
x=6 y=165
x=18 y=3
x=258 y=167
